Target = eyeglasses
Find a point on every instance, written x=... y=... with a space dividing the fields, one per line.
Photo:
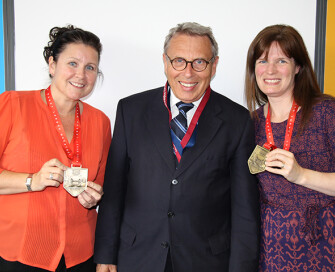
x=180 y=64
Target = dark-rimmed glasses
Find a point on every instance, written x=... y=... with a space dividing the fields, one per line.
x=180 y=64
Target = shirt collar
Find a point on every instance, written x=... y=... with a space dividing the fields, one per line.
x=174 y=100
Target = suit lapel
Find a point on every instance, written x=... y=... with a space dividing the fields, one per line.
x=209 y=124
x=157 y=123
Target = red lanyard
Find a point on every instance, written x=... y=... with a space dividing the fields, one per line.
x=194 y=120
x=289 y=128
x=76 y=155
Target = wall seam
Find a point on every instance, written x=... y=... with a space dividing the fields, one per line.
x=320 y=41
x=9 y=44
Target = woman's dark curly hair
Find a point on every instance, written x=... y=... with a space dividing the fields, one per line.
x=60 y=37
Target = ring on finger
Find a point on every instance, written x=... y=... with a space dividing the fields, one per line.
x=283 y=165
x=51 y=176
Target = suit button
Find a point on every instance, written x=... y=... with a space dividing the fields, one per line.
x=175 y=182
x=170 y=214
x=165 y=244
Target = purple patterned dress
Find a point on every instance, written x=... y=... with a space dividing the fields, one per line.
x=298 y=224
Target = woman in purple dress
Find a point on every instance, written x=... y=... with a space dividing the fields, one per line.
x=296 y=123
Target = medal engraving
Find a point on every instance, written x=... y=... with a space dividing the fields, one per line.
x=256 y=161
x=75 y=180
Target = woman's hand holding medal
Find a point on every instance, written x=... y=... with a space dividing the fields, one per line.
x=283 y=162
x=91 y=196
x=51 y=174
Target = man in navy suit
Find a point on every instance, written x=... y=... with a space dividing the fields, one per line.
x=178 y=195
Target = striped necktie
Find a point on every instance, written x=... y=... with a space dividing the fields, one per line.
x=179 y=123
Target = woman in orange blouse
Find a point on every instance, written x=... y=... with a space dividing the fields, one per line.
x=53 y=152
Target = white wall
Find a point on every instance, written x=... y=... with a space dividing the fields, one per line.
x=133 y=32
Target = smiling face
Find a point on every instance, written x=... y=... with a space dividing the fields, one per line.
x=75 y=72
x=189 y=85
x=275 y=74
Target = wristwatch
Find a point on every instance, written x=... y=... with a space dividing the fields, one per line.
x=28 y=182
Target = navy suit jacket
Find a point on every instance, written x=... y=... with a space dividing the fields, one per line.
x=204 y=210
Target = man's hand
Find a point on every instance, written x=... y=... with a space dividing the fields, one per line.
x=106 y=268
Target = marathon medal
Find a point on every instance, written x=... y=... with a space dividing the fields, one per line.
x=75 y=180
x=256 y=161
x=75 y=177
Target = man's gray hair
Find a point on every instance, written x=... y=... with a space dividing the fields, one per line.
x=192 y=29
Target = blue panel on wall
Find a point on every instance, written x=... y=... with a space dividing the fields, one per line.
x=2 y=63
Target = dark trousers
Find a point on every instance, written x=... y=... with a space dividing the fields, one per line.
x=6 y=266
x=168 y=265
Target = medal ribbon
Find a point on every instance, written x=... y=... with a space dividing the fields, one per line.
x=76 y=155
x=289 y=128
x=194 y=120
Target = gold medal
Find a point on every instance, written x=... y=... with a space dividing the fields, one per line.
x=75 y=180
x=256 y=161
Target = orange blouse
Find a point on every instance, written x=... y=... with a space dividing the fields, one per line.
x=36 y=228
